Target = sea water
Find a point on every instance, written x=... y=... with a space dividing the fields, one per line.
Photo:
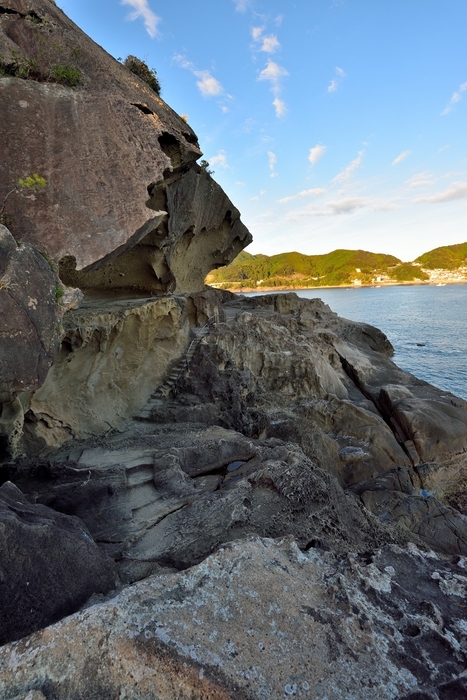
x=426 y=324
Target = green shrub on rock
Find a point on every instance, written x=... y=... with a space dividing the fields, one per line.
x=141 y=69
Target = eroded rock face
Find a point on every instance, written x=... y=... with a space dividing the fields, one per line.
x=113 y=355
x=115 y=159
x=290 y=368
x=50 y=565
x=258 y=620
x=118 y=206
x=170 y=497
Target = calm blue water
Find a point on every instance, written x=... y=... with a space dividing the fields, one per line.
x=433 y=316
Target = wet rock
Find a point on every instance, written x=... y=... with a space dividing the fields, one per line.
x=49 y=566
x=258 y=620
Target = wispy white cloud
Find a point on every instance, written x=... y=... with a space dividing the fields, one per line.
x=258 y=196
x=444 y=148
x=220 y=159
x=273 y=73
x=458 y=190
x=280 y=107
x=272 y=160
x=316 y=153
x=337 y=207
x=141 y=9
x=240 y=183
x=315 y=192
x=349 y=170
x=241 y=5
x=335 y=82
x=402 y=156
x=270 y=44
x=206 y=83
x=256 y=33
x=421 y=179
x=456 y=97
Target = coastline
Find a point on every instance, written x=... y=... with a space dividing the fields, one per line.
x=259 y=290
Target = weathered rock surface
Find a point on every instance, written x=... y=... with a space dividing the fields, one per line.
x=129 y=144
x=49 y=565
x=81 y=137
x=170 y=497
x=179 y=425
x=125 y=210
x=285 y=367
x=260 y=620
x=113 y=355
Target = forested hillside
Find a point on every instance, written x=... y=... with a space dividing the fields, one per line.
x=448 y=257
x=339 y=267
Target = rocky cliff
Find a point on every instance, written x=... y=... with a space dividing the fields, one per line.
x=259 y=501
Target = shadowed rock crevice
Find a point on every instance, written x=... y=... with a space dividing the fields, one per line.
x=28 y=15
x=171 y=147
x=142 y=108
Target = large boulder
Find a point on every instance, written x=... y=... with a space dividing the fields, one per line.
x=50 y=565
x=99 y=177
x=108 y=152
x=259 y=620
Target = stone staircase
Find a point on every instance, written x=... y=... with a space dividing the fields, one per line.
x=180 y=368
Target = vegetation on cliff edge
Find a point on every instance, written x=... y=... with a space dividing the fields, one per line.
x=448 y=257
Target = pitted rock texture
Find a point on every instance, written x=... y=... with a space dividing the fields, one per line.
x=29 y=333
x=28 y=319
x=123 y=212
x=49 y=565
x=168 y=498
x=260 y=620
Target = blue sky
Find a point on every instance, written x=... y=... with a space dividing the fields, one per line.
x=329 y=123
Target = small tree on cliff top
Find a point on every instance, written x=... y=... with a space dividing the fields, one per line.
x=141 y=69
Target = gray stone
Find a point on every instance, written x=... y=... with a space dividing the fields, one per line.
x=49 y=566
x=259 y=620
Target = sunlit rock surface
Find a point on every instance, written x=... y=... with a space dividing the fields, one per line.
x=259 y=620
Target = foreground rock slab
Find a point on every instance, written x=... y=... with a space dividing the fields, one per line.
x=49 y=565
x=260 y=620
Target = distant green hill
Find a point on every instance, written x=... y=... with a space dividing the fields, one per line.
x=448 y=257
x=299 y=270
